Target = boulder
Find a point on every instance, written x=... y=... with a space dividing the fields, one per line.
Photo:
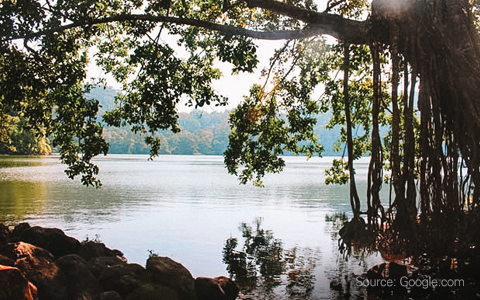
x=6 y=261
x=39 y=266
x=219 y=288
x=36 y=264
x=51 y=239
x=18 y=250
x=114 y=274
x=154 y=291
x=14 y=286
x=4 y=234
x=99 y=264
x=20 y=228
x=92 y=249
x=208 y=289
x=229 y=287
x=80 y=281
x=169 y=273
x=109 y=295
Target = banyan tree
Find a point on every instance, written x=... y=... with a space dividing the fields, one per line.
x=435 y=44
x=413 y=65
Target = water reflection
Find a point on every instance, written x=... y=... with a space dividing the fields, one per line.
x=16 y=200
x=351 y=264
x=23 y=161
x=263 y=268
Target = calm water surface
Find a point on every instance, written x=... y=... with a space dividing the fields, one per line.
x=184 y=207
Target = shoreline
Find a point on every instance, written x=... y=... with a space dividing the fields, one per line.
x=38 y=263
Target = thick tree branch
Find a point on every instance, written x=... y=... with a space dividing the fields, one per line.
x=351 y=31
x=309 y=31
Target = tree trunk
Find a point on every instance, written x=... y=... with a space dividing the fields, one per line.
x=354 y=199
x=439 y=41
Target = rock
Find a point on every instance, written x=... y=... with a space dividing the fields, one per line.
x=4 y=234
x=229 y=287
x=6 y=261
x=18 y=250
x=154 y=291
x=92 y=249
x=170 y=273
x=51 y=239
x=46 y=264
x=14 y=286
x=53 y=289
x=219 y=288
x=110 y=295
x=35 y=263
x=208 y=289
x=80 y=281
x=39 y=267
x=98 y=264
x=114 y=274
x=20 y=228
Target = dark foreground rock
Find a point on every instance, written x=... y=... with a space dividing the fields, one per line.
x=219 y=288
x=52 y=239
x=169 y=273
x=14 y=286
x=81 y=283
x=45 y=264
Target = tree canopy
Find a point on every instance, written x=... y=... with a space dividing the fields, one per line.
x=369 y=80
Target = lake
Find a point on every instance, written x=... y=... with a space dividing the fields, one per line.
x=186 y=207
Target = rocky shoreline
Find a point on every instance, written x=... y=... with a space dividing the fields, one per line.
x=39 y=263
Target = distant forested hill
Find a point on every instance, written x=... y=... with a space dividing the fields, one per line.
x=201 y=132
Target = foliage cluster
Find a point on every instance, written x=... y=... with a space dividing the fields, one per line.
x=16 y=138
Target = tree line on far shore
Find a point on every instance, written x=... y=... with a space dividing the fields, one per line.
x=202 y=133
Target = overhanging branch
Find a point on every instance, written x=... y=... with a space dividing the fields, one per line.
x=315 y=29
x=351 y=31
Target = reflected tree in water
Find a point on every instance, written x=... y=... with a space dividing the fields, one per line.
x=351 y=261
x=262 y=267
